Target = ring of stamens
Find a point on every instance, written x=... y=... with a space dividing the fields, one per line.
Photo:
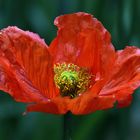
x=71 y=79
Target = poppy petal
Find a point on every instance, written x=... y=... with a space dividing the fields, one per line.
x=31 y=54
x=126 y=76
x=55 y=106
x=13 y=81
x=90 y=101
x=88 y=104
x=84 y=41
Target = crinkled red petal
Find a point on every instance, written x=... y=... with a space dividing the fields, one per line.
x=84 y=41
x=89 y=101
x=13 y=81
x=57 y=105
x=87 y=104
x=25 y=62
x=126 y=76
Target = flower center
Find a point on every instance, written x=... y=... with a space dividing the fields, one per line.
x=71 y=79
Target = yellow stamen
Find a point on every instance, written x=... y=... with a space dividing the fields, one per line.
x=71 y=79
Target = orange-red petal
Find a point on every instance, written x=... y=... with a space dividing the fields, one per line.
x=84 y=41
x=126 y=76
x=86 y=104
x=13 y=81
x=57 y=105
x=31 y=53
x=90 y=101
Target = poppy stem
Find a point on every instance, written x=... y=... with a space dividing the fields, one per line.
x=67 y=126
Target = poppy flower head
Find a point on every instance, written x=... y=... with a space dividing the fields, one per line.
x=80 y=71
x=71 y=79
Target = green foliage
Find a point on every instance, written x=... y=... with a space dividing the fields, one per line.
x=122 y=19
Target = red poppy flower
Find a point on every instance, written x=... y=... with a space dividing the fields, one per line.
x=80 y=71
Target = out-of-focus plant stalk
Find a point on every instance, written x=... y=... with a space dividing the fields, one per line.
x=67 y=126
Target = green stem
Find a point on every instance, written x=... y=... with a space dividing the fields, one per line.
x=67 y=126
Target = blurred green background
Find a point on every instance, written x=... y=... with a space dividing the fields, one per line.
x=122 y=19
